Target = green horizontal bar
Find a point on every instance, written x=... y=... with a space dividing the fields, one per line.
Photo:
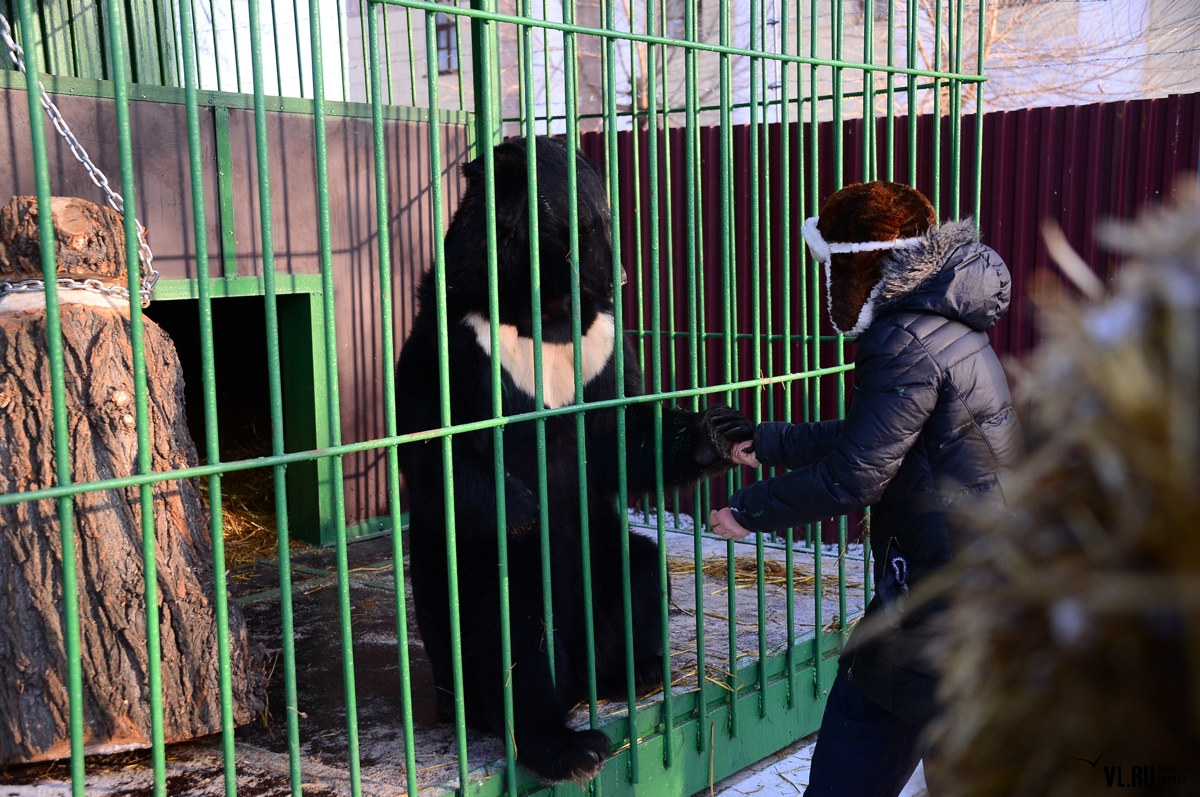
x=87 y=87
x=384 y=442
x=225 y=287
x=633 y=333
x=733 y=106
x=626 y=36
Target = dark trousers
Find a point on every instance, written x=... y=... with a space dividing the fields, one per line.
x=863 y=750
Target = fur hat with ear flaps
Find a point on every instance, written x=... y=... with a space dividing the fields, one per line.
x=860 y=283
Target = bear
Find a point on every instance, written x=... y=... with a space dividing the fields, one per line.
x=694 y=445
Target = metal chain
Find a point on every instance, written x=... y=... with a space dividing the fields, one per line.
x=148 y=273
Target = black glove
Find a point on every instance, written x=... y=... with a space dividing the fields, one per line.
x=719 y=428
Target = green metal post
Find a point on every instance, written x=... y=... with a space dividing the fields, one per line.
x=386 y=323
x=208 y=372
x=58 y=400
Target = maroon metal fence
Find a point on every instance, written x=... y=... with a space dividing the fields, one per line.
x=1078 y=165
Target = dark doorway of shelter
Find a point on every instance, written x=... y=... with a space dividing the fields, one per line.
x=243 y=404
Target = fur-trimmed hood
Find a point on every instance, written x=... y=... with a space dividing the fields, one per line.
x=950 y=274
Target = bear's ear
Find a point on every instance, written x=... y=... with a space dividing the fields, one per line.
x=472 y=172
x=508 y=162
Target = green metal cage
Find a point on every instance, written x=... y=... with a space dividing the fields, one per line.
x=663 y=88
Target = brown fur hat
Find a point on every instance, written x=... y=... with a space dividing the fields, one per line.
x=878 y=211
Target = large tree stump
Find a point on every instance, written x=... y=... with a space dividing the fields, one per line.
x=103 y=438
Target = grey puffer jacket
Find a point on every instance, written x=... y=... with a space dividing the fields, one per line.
x=931 y=420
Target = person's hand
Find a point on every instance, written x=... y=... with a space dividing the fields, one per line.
x=743 y=454
x=723 y=525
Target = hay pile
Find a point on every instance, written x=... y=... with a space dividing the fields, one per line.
x=248 y=517
x=1076 y=614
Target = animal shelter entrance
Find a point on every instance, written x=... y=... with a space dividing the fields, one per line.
x=472 y=284
x=243 y=404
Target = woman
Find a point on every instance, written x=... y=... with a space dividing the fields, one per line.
x=931 y=421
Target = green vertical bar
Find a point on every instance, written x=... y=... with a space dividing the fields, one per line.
x=727 y=281
x=977 y=207
x=840 y=345
x=890 y=144
x=439 y=287
x=656 y=367
x=208 y=374
x=937 y=109
x=57 y=38
x=694 y=246
x=386 y=322
x=572 y=113
x=331 y=379
x=85 y=29
x=815 y=326
x=785 y=261
x=757 y=232
x=387 y=54
x=838 y=91
x=275 y=49
x=912 y=38
x=314 y=23
x=299 y=47
x=141 y=50
x=216 y=47
x=275 y=389
x=482 y=30
x=412 y=59
x=956 y=113
x=62 y=441
x=462 y=99
x=138 y=353
x=669 y=216
x=488 y=119
x=614 y=181
x=529 y=122
x=363 y=32
x=237 y=60
x=868 y=118
x=224 y=158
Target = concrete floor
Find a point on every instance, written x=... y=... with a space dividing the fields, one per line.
x=195 y=769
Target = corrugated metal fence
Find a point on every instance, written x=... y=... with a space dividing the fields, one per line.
x=1077 y=164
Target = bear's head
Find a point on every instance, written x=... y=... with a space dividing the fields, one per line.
x=466 y=240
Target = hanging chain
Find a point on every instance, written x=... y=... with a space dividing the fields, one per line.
x=115 y=200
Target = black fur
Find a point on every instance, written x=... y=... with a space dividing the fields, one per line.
x=694 y=446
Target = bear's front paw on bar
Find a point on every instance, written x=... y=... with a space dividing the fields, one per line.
x=720 y=429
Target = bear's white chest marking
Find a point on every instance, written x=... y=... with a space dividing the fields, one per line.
x=558 y=359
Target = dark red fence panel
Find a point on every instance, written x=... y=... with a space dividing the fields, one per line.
x=1078 y=165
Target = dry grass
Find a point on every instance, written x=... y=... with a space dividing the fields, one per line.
x=248 y=510
x=745 y=572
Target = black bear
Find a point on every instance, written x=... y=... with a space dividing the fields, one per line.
x=694 y=446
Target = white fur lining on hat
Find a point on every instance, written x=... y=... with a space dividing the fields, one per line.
x=823 y=250
x=865 y=316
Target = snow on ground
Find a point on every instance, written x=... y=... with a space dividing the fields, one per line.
x=786 y=773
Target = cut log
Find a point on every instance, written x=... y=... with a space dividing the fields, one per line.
x=103 y=442
x=89 y=239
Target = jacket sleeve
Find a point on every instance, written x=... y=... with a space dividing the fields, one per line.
x=794 y=445
x=896 y=389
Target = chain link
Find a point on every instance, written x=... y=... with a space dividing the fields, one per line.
x=148 y=273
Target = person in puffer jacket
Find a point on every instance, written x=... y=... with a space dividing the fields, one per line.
x=931 y=422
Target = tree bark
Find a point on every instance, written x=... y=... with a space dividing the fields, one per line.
x=103 y=444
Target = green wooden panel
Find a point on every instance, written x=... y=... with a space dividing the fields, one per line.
x=56 y=24
x=85 y=35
